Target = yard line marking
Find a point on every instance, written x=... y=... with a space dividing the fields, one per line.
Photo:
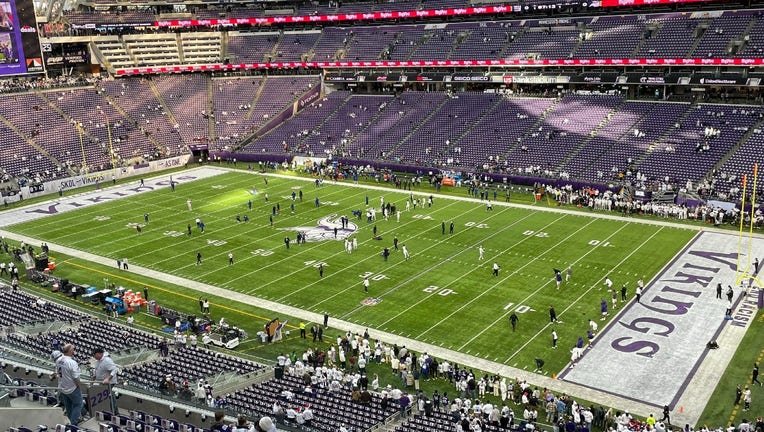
x=354 y=286
x=157 y=201
x=430 y=268
x=498 y=283
x=548 y=282
x=597 y=284
x=352 y=267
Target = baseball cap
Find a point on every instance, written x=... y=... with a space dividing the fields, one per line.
x=265 y=423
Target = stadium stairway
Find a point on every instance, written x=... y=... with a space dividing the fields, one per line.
x=593 y=134
x=413 y=130
x=352 y=140
x=179 y=43
x=698 y=37
x=211 y=109
x=758 y=126
x=539 y=122
x=745 y=37
x=656 y=144
x=256 y=98
x=43 y=96
x=30 y=141
x=478 y=121
x=271 y=56
x=23 y=412
x=332 y=115
x=127 y=116
x=159 y=97
x=101 y=58
x=224 y=46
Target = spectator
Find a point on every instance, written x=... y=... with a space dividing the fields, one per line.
x=265 y=424
x=69 y=392
x=105 y=371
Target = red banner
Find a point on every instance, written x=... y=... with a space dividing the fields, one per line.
x=392 y=15
x=450 y=63
x=370 y=16
x=621 y=3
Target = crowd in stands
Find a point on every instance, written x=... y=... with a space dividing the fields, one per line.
x=26 y=84
x=538 y=125
x=476 y=403
x=342 y=369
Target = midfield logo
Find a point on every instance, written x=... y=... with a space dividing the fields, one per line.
x=371 y=301
x=325 y=229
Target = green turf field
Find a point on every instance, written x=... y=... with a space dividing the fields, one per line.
x=442 y=295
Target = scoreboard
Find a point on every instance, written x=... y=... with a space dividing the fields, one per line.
x=19 y=41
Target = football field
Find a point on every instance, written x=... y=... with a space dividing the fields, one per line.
x=443 y=294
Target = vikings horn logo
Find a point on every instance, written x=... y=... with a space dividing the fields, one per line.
x=325 y=229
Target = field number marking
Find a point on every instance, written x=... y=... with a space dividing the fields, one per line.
x=535 y=234
x=439 y=291
x=372 y=276
x=476 y=225
x=519 y=308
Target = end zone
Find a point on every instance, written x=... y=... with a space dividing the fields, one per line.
x=652 y=350
x=125 y=189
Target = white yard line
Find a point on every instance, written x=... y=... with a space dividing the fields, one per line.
x=375 y=256
x=537 y=290
x=598 y=284
x=431 y=268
